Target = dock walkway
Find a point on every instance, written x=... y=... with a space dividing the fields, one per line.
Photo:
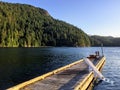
x=67 y=79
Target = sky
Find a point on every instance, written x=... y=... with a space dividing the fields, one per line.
x=94 y=17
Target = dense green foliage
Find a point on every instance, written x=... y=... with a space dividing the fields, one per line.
x=106 y=41
x=28 y=26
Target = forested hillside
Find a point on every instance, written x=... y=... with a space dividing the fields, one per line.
x=106 y=41
x=27 y=26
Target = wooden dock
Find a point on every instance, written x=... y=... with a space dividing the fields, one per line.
x=74 y=76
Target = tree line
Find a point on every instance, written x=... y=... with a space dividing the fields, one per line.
x=106 y=41
x=27 y=26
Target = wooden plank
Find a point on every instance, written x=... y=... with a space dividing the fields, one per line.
x=17 y=87
x=64 y=78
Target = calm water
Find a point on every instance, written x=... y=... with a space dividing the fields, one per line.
x=20 y=64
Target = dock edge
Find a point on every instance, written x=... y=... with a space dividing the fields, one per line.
x=90 y=77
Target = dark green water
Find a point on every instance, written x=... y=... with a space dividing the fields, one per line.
x=20 y=64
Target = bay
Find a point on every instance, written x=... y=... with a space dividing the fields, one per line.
x=21 y=64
